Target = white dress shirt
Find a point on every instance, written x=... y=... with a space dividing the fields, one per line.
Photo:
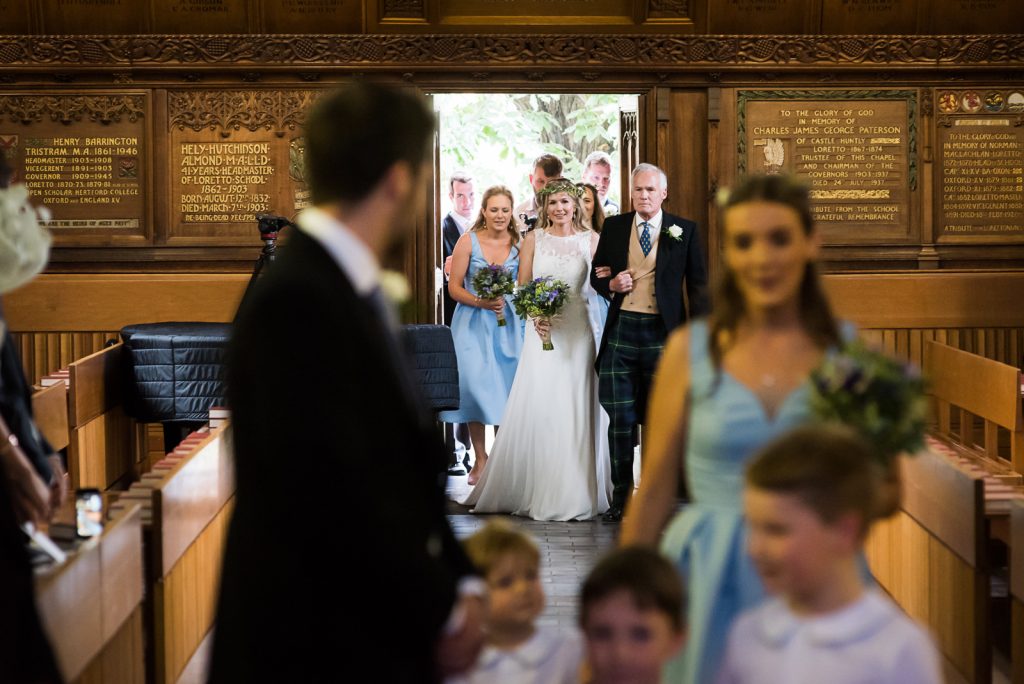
x=870 y=640
x=353 y=256
x=461 y=222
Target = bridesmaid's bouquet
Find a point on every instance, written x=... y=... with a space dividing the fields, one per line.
x=493 y=281
x=541 y=298
x=882 y=399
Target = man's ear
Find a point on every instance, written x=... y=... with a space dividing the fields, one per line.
x=397 y=181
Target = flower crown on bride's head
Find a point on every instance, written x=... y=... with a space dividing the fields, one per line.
x=561 y=185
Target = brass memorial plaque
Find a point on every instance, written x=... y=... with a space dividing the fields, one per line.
x=979 y=195
x=855 y=149
x=313 y=16
x=201 y=16
x=85 y=158
x=82 y=17
x=869 y=17
x=758 y=16
x=526 y=12
x=234 y=154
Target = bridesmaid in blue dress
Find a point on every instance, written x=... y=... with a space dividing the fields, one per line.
x=725 y=387
x=487 y=353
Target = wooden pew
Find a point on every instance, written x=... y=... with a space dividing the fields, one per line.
x=1017 y=590
x=971 y=386
x=186 y=513
x=91 y=606
x=50 y=410
x=101 y=451
x=932 y=558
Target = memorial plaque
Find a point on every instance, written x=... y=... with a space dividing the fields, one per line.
x=313 y=16
x=526 y=12
x=965 y=17
x=758 y=16
x=979 y=195
x=15 y=16
x=869 y=17
x=201 y=16
x=81 y=17
x=84 y=158
x=234 y=154
x=856 y=150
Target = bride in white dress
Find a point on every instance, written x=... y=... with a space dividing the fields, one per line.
x=548 y=460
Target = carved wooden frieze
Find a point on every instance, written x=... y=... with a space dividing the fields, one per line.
x=67 y=109
x=232 y=110
x=429 y=51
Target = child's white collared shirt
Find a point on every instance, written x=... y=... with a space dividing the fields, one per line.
x=870 y=640
x=550 y=656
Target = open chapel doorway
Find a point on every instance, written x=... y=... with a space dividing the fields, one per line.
x=495 y=137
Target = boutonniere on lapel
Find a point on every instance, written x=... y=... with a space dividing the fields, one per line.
x=395 y=287
x=675 y=232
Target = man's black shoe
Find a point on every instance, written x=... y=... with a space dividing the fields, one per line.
x=612 y=515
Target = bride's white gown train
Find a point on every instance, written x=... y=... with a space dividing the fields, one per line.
x=549 y=460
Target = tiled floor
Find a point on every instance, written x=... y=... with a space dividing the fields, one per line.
x=568 y=552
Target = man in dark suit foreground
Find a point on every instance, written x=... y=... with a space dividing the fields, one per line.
x=339 y=556
x=651 y=256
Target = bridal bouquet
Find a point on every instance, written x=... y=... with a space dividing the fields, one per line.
x=541 y=298
x=879 y=397
x=493 y=281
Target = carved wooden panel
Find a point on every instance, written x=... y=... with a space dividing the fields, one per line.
x=558 y=51
x=201 y=16
x=761 y=16
x=233 y=154
x=86 y=158
x=312 y=16
x=92 y=16
x=869 y=16
x=537 y=12
x=977 y=16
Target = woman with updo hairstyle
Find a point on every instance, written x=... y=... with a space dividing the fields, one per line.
x=725 y=387
x=590 y=202
x=487 y=353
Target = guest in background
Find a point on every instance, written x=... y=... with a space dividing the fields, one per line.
x=593 y=214
x=597 y=170
x=340 y=473
x=25 y=655
x=463 y=200
x=545 y=167
x=517 y=650
x=809 y=501
x=631 y=613
x=724 y=388
x=487 y=353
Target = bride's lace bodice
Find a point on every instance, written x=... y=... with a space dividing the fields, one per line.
x=566 y=259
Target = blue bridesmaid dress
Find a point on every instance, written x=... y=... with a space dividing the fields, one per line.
x=727 y=426
x=487 y=354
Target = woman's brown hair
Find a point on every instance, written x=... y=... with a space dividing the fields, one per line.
x=728 y=307
x=481 y=222
x=597 y=219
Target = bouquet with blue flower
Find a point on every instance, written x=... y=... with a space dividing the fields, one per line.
x=541 y=298
x=493 y=281
x=881 y=398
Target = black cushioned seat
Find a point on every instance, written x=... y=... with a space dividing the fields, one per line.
x=433 y=354
x=176 y=370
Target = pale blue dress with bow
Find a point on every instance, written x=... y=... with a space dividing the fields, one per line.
x=727 y=426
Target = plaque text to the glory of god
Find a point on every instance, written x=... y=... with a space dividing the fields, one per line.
x=853 y=154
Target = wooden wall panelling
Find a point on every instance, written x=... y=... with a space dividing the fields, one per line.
x=764 y=16
x=42 y=353
x=1017 y=590
x=203 y=16
x=869 y=17
x=321 y=16
x=92 y=17
x=16 y=16
x=685 y=158
x=975 y=16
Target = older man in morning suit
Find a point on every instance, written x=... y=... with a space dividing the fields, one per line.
x=651 y=256
x=339 y=556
